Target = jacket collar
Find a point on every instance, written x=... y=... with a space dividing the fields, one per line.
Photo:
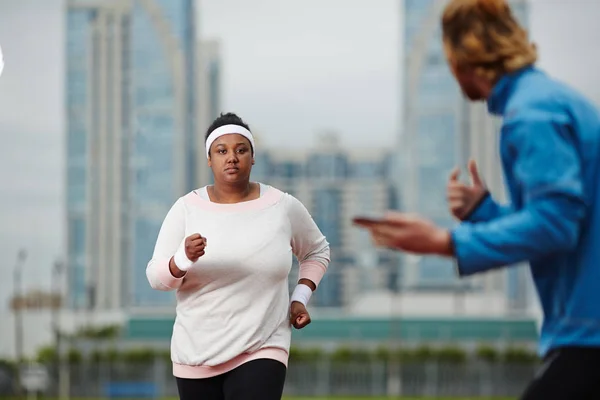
x=503 y=89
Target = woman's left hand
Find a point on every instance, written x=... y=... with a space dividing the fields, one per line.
x=299 y=316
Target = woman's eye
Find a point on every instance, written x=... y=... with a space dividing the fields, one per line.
x=222 y=151
x=241 y=150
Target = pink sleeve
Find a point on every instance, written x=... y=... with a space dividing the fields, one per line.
x=313 y=271
x=162 y=275
x=170 y=237
x=308 y=243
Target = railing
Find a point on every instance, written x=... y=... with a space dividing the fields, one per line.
x=312 y=378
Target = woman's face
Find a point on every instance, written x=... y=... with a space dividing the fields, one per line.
x=231 y=158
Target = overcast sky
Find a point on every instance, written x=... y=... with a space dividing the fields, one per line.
x=290 y=68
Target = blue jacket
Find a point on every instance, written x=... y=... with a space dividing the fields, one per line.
x=550 y=151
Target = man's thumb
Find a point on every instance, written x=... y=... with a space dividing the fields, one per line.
x=454 y=174
x=474 y=173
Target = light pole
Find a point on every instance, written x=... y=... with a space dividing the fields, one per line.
x=17 y=306
x=57 y=270
x=57 y=295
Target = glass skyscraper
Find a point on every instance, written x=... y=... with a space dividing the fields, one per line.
x=209 y=92
x=432 y=102
x=131 y=140
x=164 y=145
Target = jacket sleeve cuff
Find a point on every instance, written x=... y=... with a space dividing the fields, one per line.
x=481 y=209
x=464 y=265
x=456 y=263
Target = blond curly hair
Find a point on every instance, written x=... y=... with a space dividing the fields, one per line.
x=484 y=35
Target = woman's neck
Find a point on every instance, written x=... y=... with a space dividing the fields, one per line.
x=230 y=193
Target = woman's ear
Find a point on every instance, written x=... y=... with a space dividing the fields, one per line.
x=209 y=162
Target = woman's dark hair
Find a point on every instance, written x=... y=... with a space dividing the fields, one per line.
x=225 y=119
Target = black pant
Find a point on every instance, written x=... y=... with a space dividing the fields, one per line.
x=261 y=379
x=569 y=373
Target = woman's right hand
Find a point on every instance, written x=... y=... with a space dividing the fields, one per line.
x=194 y=246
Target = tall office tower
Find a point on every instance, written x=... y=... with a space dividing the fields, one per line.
x=209 y=104
x=131 y=140
x=335 y=185
x=432 y=105
x=164 y=152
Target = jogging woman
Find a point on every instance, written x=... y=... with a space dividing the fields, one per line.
x=226 y=249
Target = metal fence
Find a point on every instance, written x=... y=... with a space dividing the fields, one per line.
x=318 y=378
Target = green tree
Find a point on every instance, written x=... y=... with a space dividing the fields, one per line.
x=74 y=356
x=46 y=355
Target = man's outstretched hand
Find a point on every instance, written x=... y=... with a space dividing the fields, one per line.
x=410 y=233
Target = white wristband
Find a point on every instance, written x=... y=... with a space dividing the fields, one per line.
x=181 y=260
x=301 y=294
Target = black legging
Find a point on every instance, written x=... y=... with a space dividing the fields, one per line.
x=570 y=373
x=255 y=380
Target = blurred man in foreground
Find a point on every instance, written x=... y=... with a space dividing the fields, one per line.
x=550 y=151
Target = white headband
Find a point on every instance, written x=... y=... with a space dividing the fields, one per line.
x=228 y=130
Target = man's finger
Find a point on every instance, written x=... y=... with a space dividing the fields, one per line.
x=456 y=203
x=456 y=186
x=381 y=243
x=454 y=175
x=457 y=190
x=363 y=222
x=386 y=234
x=398 y=218
x=452 y=196
x=474 y=173
x=194 y=236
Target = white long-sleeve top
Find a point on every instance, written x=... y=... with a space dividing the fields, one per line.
x=233 y=304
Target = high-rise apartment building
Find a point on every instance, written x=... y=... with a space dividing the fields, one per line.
x=131 y=140
x=97 y=148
